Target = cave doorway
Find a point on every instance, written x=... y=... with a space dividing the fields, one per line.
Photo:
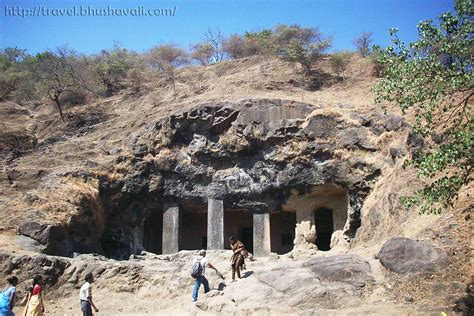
x=246 y=236
x=282 y=231
x=193 y=228
x=238 y=223
x=153 y=232
x=323 y=220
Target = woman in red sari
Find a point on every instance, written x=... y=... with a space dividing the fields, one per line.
x=35 y=306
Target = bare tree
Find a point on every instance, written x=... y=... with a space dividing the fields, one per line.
x=216 y=39
x=362 y=43
x=235 y=46
x=166 y=58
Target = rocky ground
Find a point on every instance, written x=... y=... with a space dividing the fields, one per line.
x=84 y=185
x=342 y=283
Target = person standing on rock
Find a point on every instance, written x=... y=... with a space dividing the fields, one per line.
x=7 y=297
x=35 y=306
x=238 y=256
x=199 y=270
x=85 y=294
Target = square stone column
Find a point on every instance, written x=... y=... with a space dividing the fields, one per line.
x=261 y=234
x=215 y=224
x=171 y=228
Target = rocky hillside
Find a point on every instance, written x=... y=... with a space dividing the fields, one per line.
x=248 y=133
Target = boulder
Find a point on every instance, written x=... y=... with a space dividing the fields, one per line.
x=414 y=142
x=404 y=255
x=321 y=126
x=393 y=122
x=32 y=229
x=355 y=137
x=50 y=239
x=396 y=153
x=341 y=268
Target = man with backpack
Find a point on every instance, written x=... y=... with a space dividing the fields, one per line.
x=198 y=272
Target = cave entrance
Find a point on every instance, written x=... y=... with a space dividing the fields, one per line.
x=238 y=223
x=323 y=209
x=246 y=236
x=323 y=219
x=282 y=231
x=153 y=232
x=193 y=228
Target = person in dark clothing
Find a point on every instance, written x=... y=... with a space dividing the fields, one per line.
x=238 y=256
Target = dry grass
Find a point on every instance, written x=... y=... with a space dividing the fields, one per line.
x=294 y=150
x=165 y=159
x=448 y=285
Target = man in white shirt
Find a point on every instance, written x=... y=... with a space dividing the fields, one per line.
x=85 y=294
x=201 y=279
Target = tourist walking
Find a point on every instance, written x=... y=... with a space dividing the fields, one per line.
x=85 y=294
x=239 y=253
x=198 y=272
x=7 y=297
x=34 y=306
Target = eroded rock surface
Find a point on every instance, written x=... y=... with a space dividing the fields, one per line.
x=254 y=155
x=258 y=155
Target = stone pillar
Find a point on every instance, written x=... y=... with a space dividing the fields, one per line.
x=171 y=228
x=215 y=224
x=261 y=234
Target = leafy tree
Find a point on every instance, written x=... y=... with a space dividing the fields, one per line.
x=432 y=80
x=340 y=62
x=375 y=58
x=259 y=43
x=56 y=73
x=250 y=44
x=301 y=45
x=112 y=68
x=362 y=43
x=13 y=74
x=166 y=58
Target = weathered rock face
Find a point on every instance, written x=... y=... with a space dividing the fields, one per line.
x=403 y=255
x=254 y=155
x=26 y=267
x=80 y=232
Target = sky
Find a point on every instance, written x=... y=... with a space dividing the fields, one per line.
x=343 y=19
